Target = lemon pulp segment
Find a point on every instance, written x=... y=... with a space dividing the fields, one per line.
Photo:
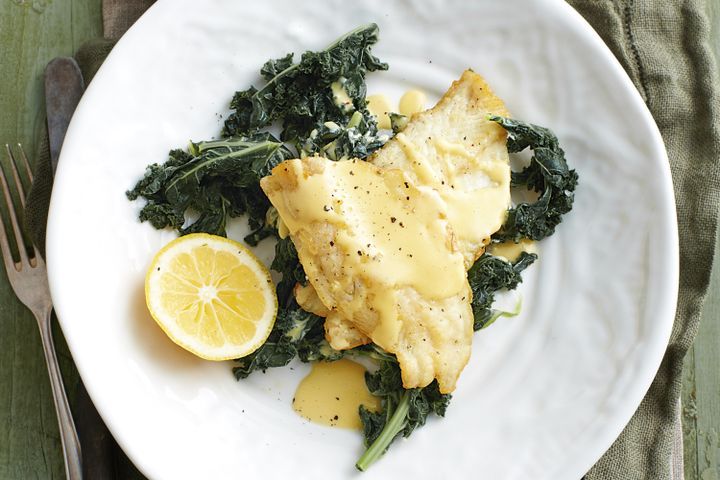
x=212 y=296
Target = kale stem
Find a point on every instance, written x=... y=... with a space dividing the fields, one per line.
x=383 y=441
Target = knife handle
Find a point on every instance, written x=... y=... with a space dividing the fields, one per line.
x=64 y=86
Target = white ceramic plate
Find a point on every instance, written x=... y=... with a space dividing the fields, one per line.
x=545 y=393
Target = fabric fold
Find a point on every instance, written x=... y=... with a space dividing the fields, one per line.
x=666 y=48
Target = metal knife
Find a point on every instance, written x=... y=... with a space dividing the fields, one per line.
x=63 y=88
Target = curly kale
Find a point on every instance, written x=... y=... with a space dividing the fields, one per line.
x=286 y=263
x=548 y=174
x=293 y=328
x=357 y=139
x=488 y=275
x=216 y=180
x=403 y=410
x=300 y=95
x=320 y=102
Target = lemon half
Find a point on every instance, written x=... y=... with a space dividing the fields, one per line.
x=211 y=296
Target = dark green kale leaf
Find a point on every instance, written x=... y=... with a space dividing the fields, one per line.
x=296 y=332
x=216 y=180
x=219 y=179
x=314 y=347
x=403 y=410
x=292 y=325
x=548 y=174
x=301 y=96
x=358 y=139
x=158 y=212
x=286 y=262
x=490 y=274
x=273 y=68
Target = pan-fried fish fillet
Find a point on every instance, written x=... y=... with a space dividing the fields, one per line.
x=454 y=149
x=341 y=333
x=379 y=251
x=344 y=332
x=457 y=151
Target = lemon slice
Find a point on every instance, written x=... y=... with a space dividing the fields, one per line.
x=211 y=296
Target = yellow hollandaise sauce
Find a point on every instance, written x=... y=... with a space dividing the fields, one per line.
x=412 y=101
x=386 y=225
x=475 y=190
x=332 y=393
x=511 y=251
x=389 y=232
x=379 y=106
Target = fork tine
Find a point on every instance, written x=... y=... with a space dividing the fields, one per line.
x=10 y=264
x=24 y=158
x=21 y=191
x=13 y=219
x=16 y=177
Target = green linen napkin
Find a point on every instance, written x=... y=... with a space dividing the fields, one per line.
x=666 y=49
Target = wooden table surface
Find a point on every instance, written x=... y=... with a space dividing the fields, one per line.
x=32 y=32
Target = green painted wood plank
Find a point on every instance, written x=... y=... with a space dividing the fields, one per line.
x=689 y=416
x=707 y=344
x=32 y=32
x=707 y=382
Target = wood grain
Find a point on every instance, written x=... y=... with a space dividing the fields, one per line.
x=32 y=32
x=705 y=361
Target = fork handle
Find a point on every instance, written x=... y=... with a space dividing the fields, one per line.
x=68 y=434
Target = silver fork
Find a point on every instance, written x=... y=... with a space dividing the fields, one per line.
x=28 y=278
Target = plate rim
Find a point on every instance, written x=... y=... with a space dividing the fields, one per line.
x=587 y=458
